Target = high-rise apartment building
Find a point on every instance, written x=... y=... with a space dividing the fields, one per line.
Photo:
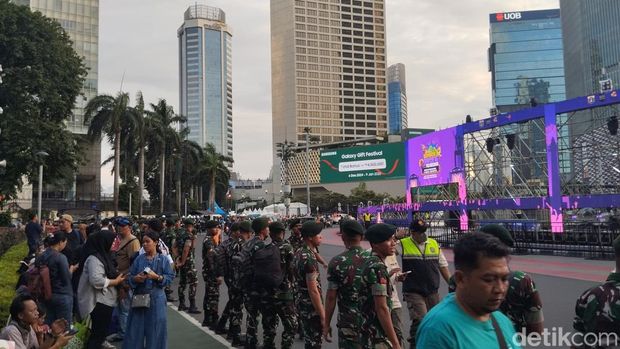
x=397 y=98
x=328 y=69
x=527 y=66
x=80 y=19
x=205 y=77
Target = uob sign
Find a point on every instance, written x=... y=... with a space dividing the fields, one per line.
x=508 y=16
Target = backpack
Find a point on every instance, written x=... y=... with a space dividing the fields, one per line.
x=39 y=284
x=267 y=269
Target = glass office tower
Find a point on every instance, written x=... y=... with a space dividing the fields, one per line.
x=397 y=98
x=205 y=77
x=80 y=19
x=527 y=66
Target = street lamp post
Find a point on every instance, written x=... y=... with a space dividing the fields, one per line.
x=41 y=155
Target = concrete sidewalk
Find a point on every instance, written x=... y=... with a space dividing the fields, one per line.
x=185 y=332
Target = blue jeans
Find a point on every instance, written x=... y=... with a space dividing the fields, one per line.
x=59 y=307
x=123 y=313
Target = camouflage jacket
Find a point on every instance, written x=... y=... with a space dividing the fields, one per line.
x=306 y=267
x=522 y=304
x=234 y=253
x=169 y=235
x=344 y=274
x=598 y=309
x=222 y=260
x=184 y=237
x=375 y=281
x=296 y=241
x=287 y=255
x=209 y=263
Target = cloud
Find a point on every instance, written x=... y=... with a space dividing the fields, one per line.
x=442 y=43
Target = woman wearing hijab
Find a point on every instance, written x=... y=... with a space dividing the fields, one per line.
x=97 y=288
x=149 y=274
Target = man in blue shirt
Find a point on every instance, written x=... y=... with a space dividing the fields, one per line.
x=470 y=317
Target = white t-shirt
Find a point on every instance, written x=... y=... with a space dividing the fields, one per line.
x=391 y=262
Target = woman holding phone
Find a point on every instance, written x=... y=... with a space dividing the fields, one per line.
x=149 y=274
x=97 y=287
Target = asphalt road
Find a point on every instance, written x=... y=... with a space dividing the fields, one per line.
x=558 y=294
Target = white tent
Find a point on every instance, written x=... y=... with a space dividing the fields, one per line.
x=294 y=209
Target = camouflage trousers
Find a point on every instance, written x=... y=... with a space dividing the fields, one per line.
x=310 y=322
x=188 y=278
x=211 y=299
x=286 y=312
x=235 y=311
x=257 y=305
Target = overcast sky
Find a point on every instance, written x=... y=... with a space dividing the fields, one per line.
x=443 y=44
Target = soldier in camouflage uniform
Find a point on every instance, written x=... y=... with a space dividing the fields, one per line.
x=184 y=245
x=375 y=295
x=255 y=299
x=598 y=309
x=281 y=303
x=210 y=274
x=522 y=304
x=224 y=270
x=236 y=290
x=344 y=282
x=295 y=238
x=169 y=236
x=307 y=277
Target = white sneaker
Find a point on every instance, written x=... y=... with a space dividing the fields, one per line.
x=107 y=345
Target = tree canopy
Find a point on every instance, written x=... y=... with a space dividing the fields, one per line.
x=41 y=79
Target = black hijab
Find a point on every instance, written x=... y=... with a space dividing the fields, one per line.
x=101 y=244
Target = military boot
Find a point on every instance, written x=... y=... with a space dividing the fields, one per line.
x=192 y=307
x=182 y=305
x=221 y=325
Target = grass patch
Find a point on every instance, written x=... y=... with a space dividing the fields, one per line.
x=9 y=263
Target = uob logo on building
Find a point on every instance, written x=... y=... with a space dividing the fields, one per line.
x=508 y=16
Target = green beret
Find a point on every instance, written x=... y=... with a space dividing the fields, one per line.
x=500 y=232
x=351 y=227
x=245 y=226
x=310 y=229
x=276 y=227
x=188 y=221
x=380 y=232
x=259 y=224
x=234 y=227
x=418 y=226
x=212 y=224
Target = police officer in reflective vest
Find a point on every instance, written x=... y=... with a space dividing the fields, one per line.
x=423 y=259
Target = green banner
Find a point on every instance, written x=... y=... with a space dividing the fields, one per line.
x=364 y=163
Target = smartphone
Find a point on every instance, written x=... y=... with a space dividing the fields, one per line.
x=407 y=272
x=72 y=332
x=147 y=270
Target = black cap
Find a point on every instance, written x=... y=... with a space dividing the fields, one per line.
x=293 y=222
x=310 y=229
x=212 y=224
x=351 y=227
x=418 y=225
x=500 y=232
x=276 y=227
x=380 y=232
x=245 y=226
x=259 y=224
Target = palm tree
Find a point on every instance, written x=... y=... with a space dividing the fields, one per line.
x=106 y=114
x=188 y=152
x=141 y=124
x=213 y=167
x=162 y=118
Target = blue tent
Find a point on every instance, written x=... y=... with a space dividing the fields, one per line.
x=218 y=210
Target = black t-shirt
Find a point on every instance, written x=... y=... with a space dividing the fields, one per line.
x=33 y=232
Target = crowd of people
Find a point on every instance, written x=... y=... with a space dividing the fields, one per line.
x=127 y=269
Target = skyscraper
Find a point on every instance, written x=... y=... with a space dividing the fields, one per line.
x=527 y=67
x=397 y=98
x=591 y=30
x=80 y=19
x=205 y=77
x=328 y=69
